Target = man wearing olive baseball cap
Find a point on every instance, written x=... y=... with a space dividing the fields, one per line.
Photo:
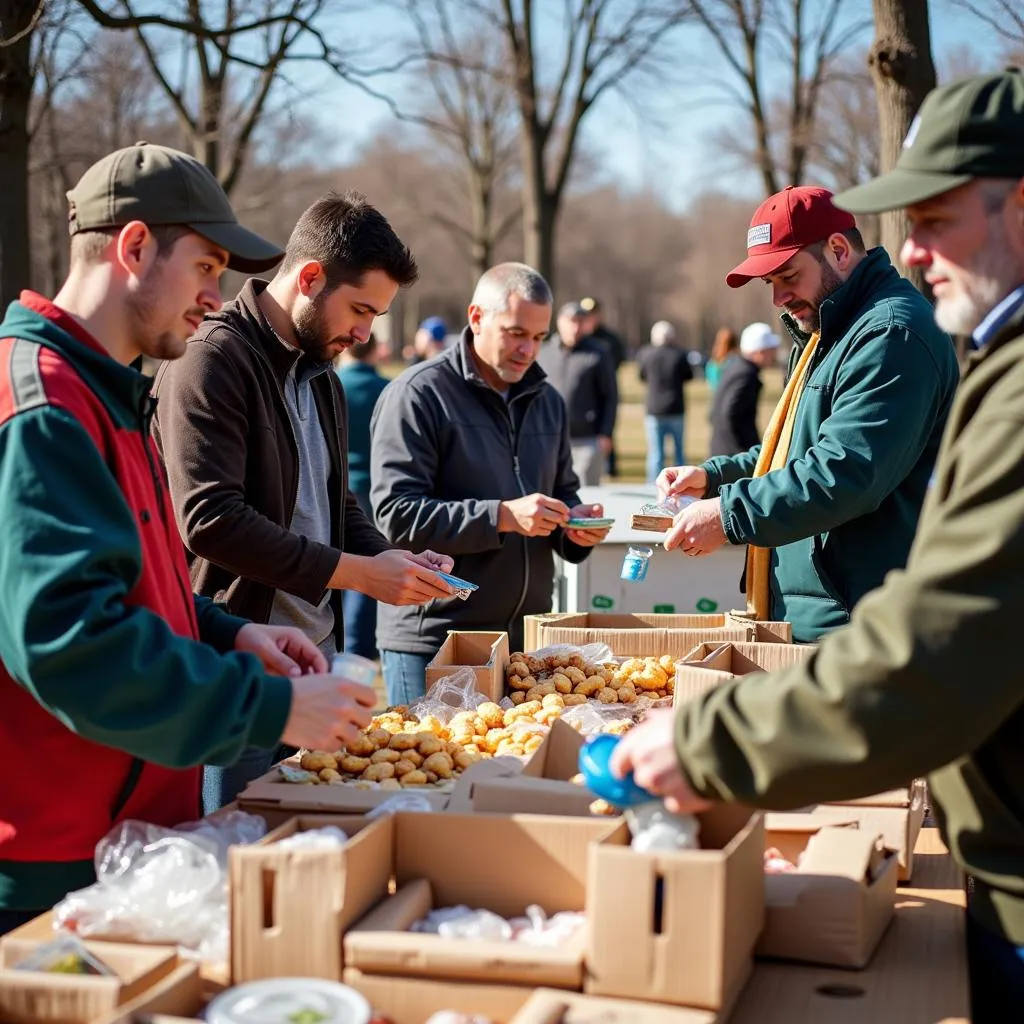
x=108 y=663
x=924 y=679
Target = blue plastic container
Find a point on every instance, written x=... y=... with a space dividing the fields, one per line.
x=594 y=759
x=635 y=563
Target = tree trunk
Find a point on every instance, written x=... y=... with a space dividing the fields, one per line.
x=482 y=215
x=211 y=114
x=15 y=95
x=902 y=70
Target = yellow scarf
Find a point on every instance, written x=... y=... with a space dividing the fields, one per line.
x=774 y=455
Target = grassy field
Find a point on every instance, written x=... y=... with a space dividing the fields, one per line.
x=629 y=430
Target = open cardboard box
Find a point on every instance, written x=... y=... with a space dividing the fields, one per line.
x=678 y=927
x=290 y=908
x=709 y=664
x=835 y=908
x=642 y=635
x=542 y=786
x=270 y=794
x=493 y=862
x=32 y=997
x=485 y=653
x=545 y=1004
x=897 y=815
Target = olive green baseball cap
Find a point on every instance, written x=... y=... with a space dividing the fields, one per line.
x=973 y=128
x=158 y=185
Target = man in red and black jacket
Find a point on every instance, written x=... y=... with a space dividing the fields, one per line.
x=116 y=683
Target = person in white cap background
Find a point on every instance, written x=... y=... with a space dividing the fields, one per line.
x=734 y=408
x=663 y=366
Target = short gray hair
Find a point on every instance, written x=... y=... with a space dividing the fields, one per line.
x=497 y=284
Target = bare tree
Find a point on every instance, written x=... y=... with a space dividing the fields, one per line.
x=18 y=21
x=902 y=70
x=236 y=47
x=812 y=35
x=1004 y=17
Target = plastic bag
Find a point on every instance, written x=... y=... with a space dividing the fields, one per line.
x=670 y=506
x=401 y=803
x=656 y=829
x=330 y=837
x=592 y=718
x=448 y=696
x=595 y=654
x=537 y=929
x=455 y=1017
x=162 y=885
x=65 y=955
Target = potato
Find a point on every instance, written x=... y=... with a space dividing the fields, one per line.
x=387 y=755
x=403 y=767
x=361 y=746
x=317 y=761
x=429 y=745
x=520 y=683
x=518 y=668
x=403 y=741
x=517 y=696
x=627 y=695
x=379 y=772
x=379 y=737
x=572 y=699
x=438 y=764
x=354 y=765
x=431 y=778
x=465 y=758
x=553 y=700
x=608 y=696
x=329 y=775
x=390 y=784
x=413 y=756
x=414 y=778
x=563 y=686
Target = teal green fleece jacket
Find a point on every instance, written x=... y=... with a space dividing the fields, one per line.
x=843 y=511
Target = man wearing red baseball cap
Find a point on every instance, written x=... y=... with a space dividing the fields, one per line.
x=829 y=501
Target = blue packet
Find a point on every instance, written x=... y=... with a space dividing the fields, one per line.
x=463 y=588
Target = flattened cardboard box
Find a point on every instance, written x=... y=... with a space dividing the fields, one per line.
x=32 y=997
x=835 y=908
x=545 y=1004
x=485 y=653
x=643 y=635
x=678 y=927
x=270 y=793
x=493 y=862
x=290 y=908
x=897 y=814
x=709 y=664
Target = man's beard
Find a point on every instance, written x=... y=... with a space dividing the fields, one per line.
x=312 y=334
x=810 y=322
x=143 y=309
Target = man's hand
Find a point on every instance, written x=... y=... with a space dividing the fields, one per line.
x=604 y=445
x=327 y=712
x=698 y=529
x=284 y=650
x=682 y=481
x=536 y=515
x=432 y=560
x=394 y=577
x=586 y=538
x=649 y=751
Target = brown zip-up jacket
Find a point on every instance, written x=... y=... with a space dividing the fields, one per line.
x=224 y=433
x=925 y=679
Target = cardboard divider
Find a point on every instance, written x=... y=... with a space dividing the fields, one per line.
x=835 y=908
x=678 y=927
x=708 y=665
x=290 y=908
x=641 y=635
x=486 y=653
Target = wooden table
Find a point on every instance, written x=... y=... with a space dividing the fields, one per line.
x=918 y=975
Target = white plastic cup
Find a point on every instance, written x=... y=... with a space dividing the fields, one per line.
x=354 y=668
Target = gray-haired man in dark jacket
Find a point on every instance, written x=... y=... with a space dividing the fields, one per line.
x=470 y=457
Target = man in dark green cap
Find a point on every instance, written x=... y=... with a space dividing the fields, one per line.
x=922 y=680
x=114 y=679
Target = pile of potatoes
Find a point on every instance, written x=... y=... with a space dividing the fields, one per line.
x=530 y=678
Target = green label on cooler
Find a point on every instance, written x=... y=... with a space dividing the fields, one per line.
x=706 y=605
x=602 y=601
x=664 y=609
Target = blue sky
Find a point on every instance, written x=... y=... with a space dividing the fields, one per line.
x=669 y=147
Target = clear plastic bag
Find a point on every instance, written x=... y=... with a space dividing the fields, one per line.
x=670 y=506
x=65 y=955
x=537 y=929
x=450 y=695
x=455 y=1017
x=401 y=803
x=592 y=718
x=657 y=830
x=162 y=885
x=595 y=654
x=330 y=837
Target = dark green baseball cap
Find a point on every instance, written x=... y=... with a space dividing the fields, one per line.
x=158 y=185
x=973 y=128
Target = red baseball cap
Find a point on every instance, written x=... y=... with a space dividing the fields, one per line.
x=785 y=223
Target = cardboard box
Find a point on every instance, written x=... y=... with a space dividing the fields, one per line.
x=545 y=1004
x=835 y=908
x=485 y=653
x=709 y=664
x=493 y=862
x=678 y=927
x=28 y=997
x=897 y=815
x=270 y=794
x=290 y=908
x=414 y=1000
x=543 y=786
x=641 y=635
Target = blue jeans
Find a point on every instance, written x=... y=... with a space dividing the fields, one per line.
x=659 y=429
x=222 y=785
x=995 y=968
x=360 y=611
x=405 y=676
